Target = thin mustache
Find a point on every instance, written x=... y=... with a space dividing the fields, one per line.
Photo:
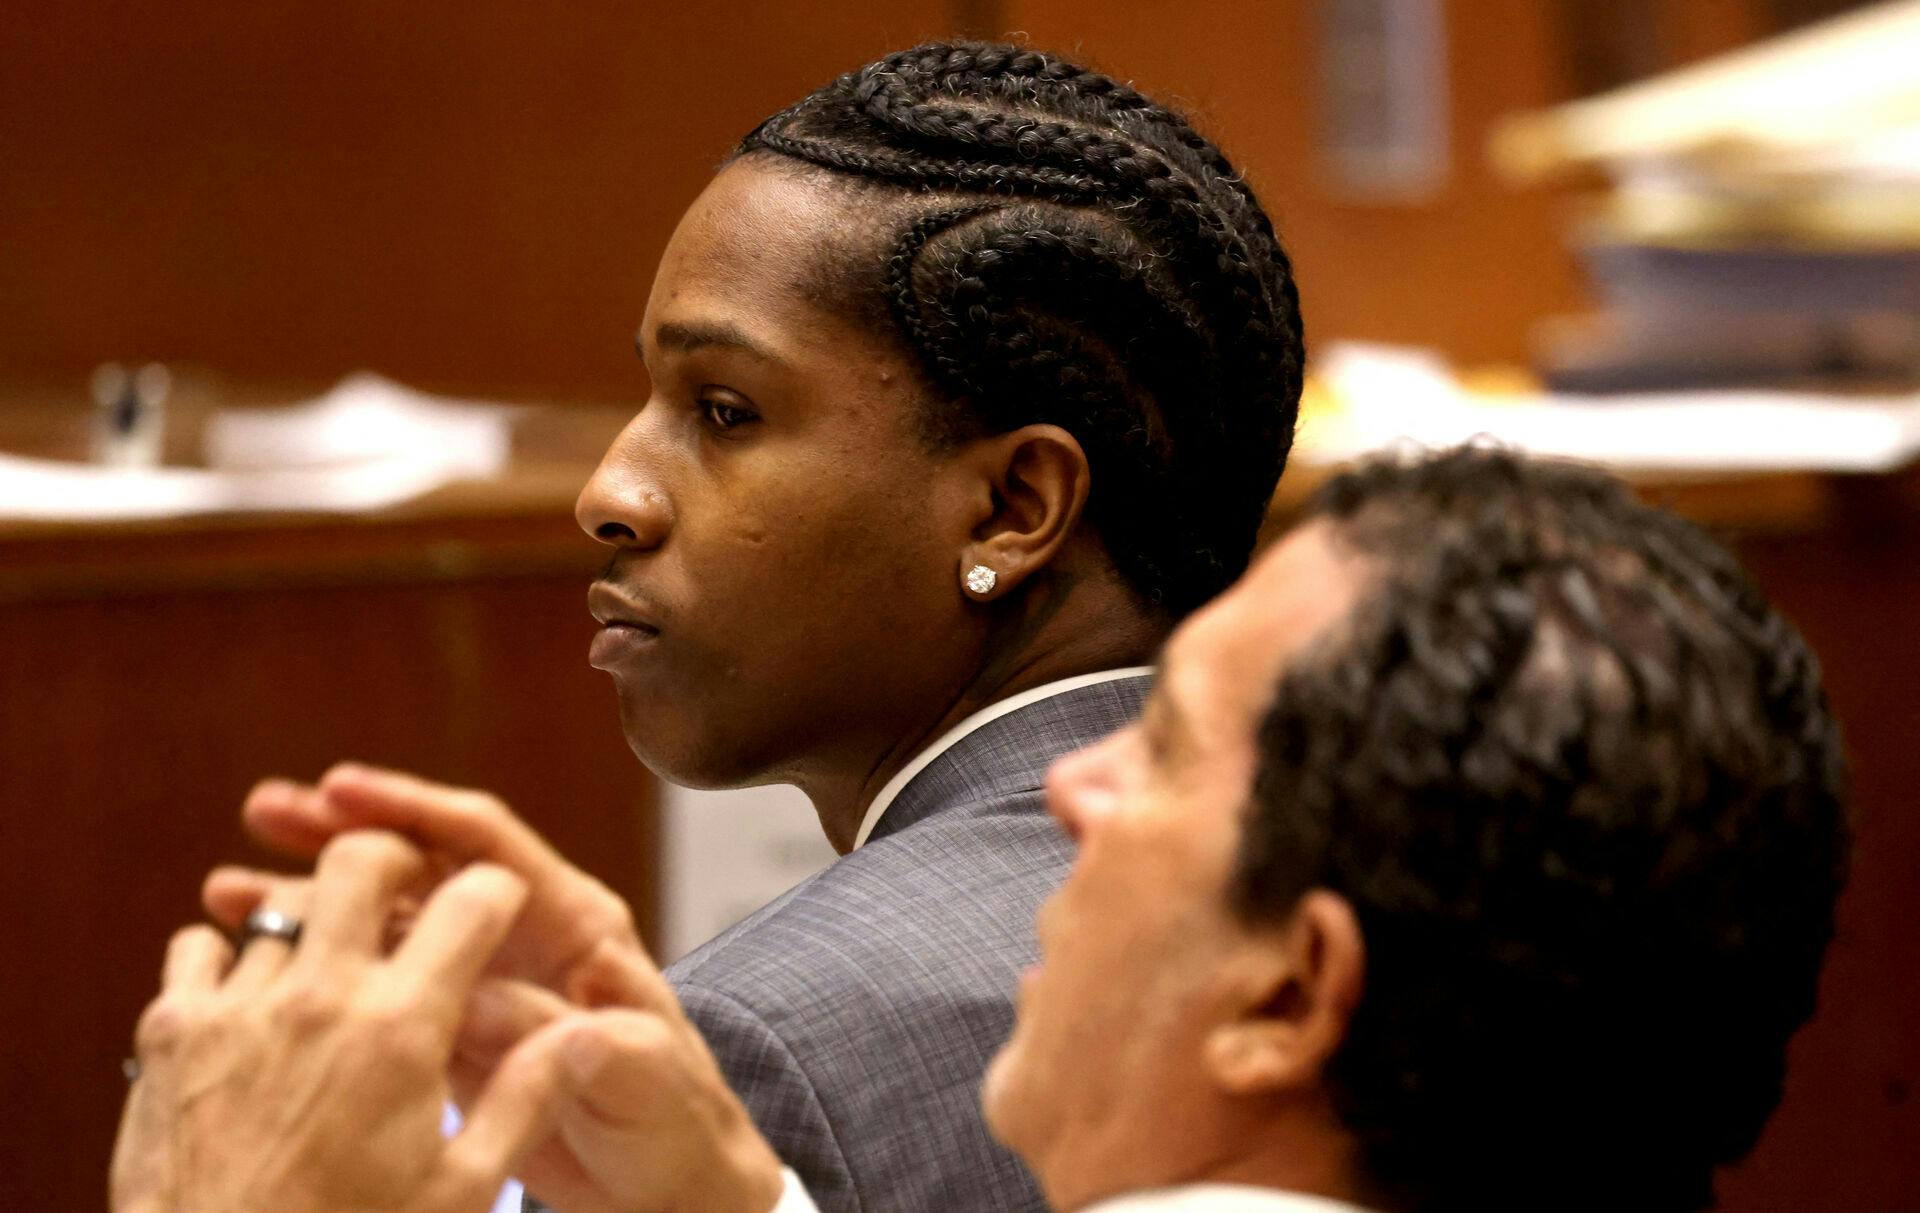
x=610 y=603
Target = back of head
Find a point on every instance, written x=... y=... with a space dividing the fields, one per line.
x=1580 y=784
x=1059 y=249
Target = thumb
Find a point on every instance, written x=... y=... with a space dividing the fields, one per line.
x=617 y=1064
x=502 y=1012
x=513 y=1114
x=619 y=975
x=646 y=1110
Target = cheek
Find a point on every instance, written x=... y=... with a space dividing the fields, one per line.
x=864 y=534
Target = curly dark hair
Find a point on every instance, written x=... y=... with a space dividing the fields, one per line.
x=1060 y=249
x=1580 y=784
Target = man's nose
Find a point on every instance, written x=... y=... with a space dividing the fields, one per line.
x=1080 y=788
x=625 y=503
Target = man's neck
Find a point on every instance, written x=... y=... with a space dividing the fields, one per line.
x=1068 y=642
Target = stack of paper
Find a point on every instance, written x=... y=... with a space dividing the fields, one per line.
x=365 y=445
x=1380 y=396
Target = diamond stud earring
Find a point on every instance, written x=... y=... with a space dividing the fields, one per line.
x=980 y=579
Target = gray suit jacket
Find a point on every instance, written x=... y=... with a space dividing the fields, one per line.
x=856 y=1014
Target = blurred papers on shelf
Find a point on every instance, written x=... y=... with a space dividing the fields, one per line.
x=365 y=445
x=1367 y=397
x=1761 y=221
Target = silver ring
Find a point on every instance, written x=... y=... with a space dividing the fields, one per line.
x=270 y=924
x=130 y=1066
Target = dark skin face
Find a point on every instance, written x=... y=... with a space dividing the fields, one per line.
x=785 y=600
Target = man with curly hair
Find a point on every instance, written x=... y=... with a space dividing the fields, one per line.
x=1478 y=850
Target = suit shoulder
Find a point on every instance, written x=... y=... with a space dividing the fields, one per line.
x=935 y=911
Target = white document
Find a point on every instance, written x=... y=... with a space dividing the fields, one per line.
x=1392 y=395
x=366 y=445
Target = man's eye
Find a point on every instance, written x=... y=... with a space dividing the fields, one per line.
x=723 y=416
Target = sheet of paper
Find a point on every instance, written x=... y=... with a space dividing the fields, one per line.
x=1389 y=395
x=366 y=445
x=365 y=419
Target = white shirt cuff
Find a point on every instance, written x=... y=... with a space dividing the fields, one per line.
x=793 y=1195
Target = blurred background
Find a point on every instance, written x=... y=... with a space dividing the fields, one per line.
x=314 y=318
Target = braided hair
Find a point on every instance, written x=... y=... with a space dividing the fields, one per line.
x=1064 y=250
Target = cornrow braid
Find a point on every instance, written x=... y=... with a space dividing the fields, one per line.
x=1065 y=250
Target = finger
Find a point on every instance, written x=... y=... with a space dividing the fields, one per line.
x=618 y=1065
x=265 y=957
x=197 y=957
x=630 y=1077
x=512 y=1114
x=231 y=893
x=455 y=936
x=615 y=975
x=292 y=818
x=499 y=1015
x=468 y=825
x=360 y=879
x=568 y=911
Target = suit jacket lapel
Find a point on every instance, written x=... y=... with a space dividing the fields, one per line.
x=1009 y=756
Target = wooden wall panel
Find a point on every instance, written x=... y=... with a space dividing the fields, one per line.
x=1469 y=271
x=472 y=196
x=131 y=727
x=466 y=194
x=1844 y=1135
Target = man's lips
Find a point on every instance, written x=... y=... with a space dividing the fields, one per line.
x=627 y=627
x=617 y=644
x=611 y=606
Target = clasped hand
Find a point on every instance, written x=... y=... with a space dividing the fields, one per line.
x=313 y=1077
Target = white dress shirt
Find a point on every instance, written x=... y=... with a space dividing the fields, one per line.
x=1188 y=1198
x=991 y=712
x=1217 y=1198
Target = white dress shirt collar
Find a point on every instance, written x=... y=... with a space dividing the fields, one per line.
x=1190 y=1198
x=1221 y=1198
x=986 y=715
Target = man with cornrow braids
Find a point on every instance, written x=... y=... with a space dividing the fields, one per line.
x=973 y=373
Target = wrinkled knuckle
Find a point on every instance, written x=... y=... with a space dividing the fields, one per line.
x=601 y=912
x=403 y=1037
x=619 y=914
x=162 y=1027
x=309 y=1007
x=369 y=849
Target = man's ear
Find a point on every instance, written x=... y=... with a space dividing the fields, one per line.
x=1033 y=486
x=1301 y=984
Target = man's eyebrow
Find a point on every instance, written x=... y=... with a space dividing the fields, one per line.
x=686 y=336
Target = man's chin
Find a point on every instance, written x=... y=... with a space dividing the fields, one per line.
x=694 y=762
